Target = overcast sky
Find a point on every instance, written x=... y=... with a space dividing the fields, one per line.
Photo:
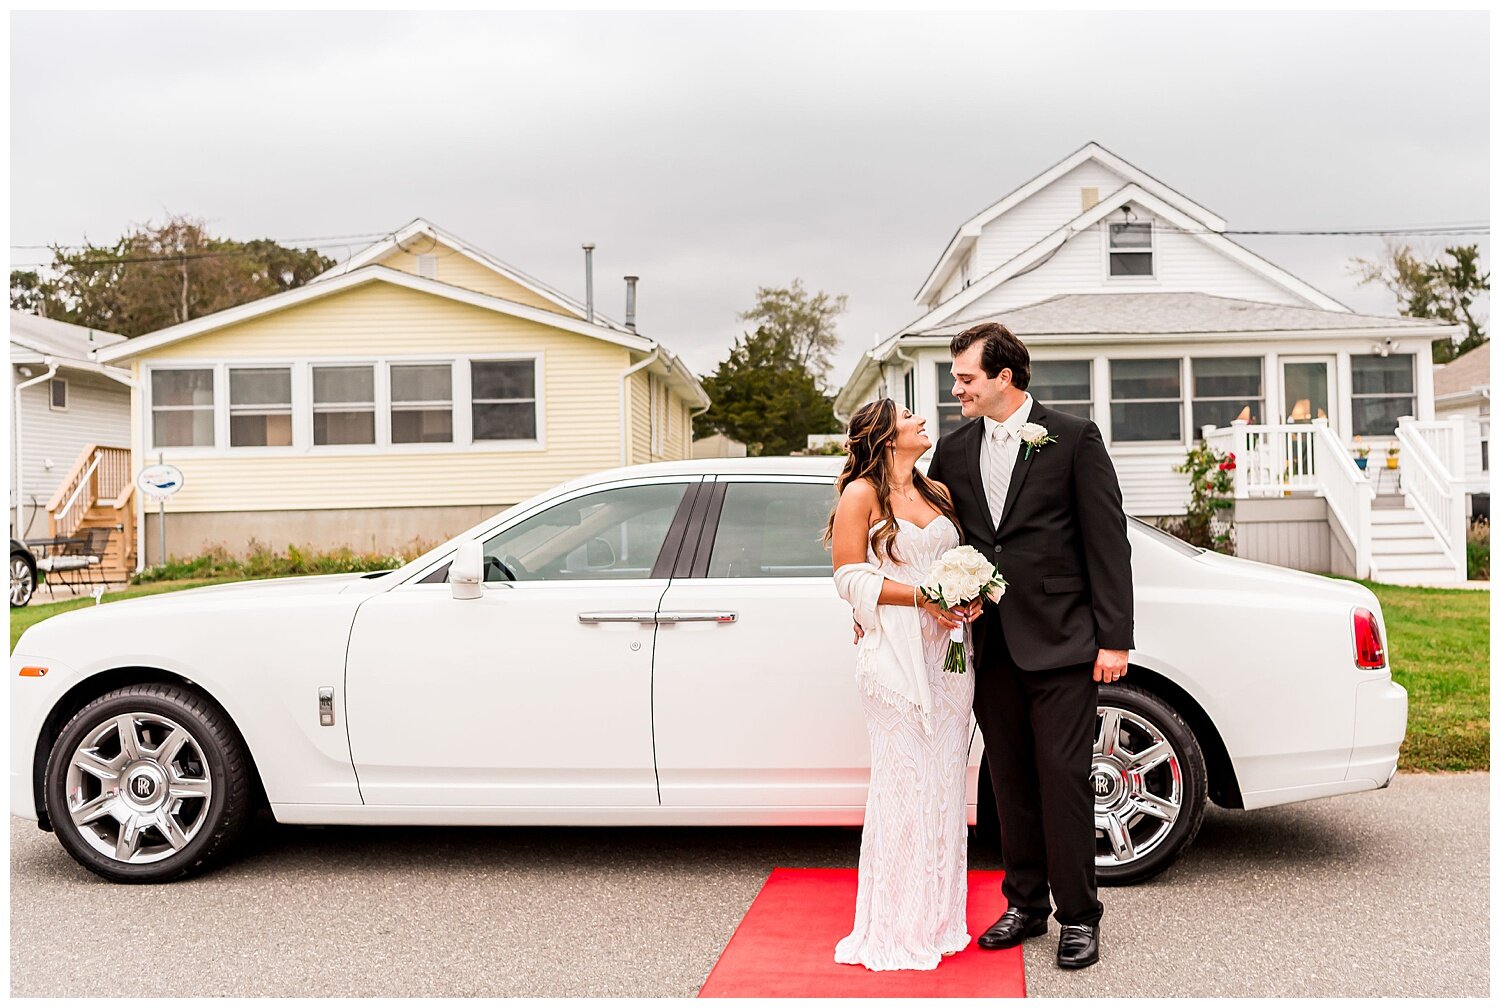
x=714 y=153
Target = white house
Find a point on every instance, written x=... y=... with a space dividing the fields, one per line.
x=66 y=408
x=1461 y=390
x=1141 y=313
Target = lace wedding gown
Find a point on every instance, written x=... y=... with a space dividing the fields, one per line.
x=913 y=853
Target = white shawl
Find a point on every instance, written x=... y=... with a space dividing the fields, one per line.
x=889 y=664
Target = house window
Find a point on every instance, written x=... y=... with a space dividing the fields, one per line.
x=343 y=404
x=57 y=390
x=909 y=389
x=1384 y=391
x=950 y=413
x=1145 y=400
x=1130 y=249
x=260 y=407
x=504 y=400
x=1484 y=446
x=1064 y=385
x=182 y=408
x=421 y=403
x=1226 y=389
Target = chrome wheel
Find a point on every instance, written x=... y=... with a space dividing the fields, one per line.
x=1138 y=787
x=138 y=788
x=22 y=583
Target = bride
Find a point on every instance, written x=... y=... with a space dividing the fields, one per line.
x=890 y=525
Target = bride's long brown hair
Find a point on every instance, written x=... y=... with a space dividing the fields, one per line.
x=871 y=431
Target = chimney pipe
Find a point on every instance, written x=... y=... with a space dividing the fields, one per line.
x=588 y=278
x=630 y=283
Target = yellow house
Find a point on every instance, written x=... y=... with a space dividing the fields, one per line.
x=403 y=395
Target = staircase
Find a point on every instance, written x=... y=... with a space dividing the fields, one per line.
x=1403 y=548
x=99 y=493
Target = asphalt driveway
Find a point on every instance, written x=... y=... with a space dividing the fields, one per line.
x=1381 y=893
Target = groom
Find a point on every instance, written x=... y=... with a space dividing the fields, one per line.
x=1037 y=494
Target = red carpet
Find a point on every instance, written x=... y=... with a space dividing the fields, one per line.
x=784 y=946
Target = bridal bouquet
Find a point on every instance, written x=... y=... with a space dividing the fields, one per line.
x=961 y=575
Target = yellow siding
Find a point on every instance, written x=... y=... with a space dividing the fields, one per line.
x=640 y=418
x=456 y=268
x=678 y=442
x=580 y=388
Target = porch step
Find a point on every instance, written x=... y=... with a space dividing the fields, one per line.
x=1405 y=546
x=1417 y=576
x=1430 y=560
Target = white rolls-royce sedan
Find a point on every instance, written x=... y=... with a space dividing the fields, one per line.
x=659 y=645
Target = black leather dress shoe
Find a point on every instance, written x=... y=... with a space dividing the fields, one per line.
x=1013 y=927
x=1078 y=946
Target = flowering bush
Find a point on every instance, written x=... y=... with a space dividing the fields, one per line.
x=1211 y=481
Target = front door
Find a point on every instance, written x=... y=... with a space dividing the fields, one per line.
x=536 y=694
x=1307 y=389
x=756 y=706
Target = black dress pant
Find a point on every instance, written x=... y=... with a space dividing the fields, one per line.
x=1039 y=729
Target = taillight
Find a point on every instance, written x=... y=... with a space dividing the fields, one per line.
x=1369 y=649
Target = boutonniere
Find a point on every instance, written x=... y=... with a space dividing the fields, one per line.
x=1034 y=435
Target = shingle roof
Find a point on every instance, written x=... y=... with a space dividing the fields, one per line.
x=1464 y=373
x=52 y=338
x=1131 y=314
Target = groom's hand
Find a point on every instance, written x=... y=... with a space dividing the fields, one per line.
x=1110 y=665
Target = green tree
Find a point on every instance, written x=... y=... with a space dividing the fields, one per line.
x=764 y=396
x=1434 y=288
x=805 y=321
x=160 y=275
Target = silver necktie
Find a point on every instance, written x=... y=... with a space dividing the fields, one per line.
x=997 y=473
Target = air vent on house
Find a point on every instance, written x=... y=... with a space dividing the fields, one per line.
x=427 y=266
x=1090 y=196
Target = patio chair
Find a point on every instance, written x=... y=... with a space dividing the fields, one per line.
x=76 y=561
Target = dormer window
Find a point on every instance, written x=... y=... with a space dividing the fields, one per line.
x=1130 y=249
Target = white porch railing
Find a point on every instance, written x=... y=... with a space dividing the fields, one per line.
x=1444 y=437
x=1276 y=460
x=1431 y=485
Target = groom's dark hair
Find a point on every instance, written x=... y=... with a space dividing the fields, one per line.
x=1001 y=350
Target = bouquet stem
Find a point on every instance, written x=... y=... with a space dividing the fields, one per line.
x=954 y=662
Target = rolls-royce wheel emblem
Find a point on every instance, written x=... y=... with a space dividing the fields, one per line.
x=142 y=787
x=1101 y=785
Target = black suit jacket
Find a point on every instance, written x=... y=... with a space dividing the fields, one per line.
x=1061 y=542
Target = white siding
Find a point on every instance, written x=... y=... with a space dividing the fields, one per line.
x=1147 y=481
x=51 y=440
x=1039 y=215
x=1182 y=263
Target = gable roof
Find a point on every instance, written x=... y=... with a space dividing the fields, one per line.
x=419 y=227
x=367 y=274
x=968 y=232
x=1464 y=373
x=33 y=337
x=1130 y=193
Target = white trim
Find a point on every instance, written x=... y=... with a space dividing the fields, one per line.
x=949 y=310
x=396 y=242
x=302 y=407
x=369 y=274
x=1091 y=151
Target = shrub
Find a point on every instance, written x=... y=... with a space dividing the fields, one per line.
x=1479 y=550
x=1211 y=480
x=260 y=561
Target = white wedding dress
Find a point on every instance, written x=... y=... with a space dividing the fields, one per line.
x=913 y=853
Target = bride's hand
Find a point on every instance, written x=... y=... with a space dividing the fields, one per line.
x=947 y=617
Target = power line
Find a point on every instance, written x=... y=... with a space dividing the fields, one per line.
x=279 y=241
x=181 y=257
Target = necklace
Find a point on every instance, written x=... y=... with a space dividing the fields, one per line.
x=906 y=492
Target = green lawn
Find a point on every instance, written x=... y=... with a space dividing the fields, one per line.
x=1440 y=651
x=1439 y=646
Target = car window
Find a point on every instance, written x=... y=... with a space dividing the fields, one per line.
x=614 y=533
x=773 y=530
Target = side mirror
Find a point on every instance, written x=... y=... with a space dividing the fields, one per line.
x=466 y=575
x=599 y=554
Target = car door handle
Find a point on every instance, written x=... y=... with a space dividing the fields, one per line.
x=697 y=617
x=617 y=617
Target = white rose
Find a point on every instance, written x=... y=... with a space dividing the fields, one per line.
x=1032 y=432
x=995 y=592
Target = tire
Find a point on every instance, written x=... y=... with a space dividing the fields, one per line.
x=172 y=805
x=22 y=580
x=1154 y=815
x=1155 y=849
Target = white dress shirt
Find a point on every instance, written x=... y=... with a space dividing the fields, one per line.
x=997 y=456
